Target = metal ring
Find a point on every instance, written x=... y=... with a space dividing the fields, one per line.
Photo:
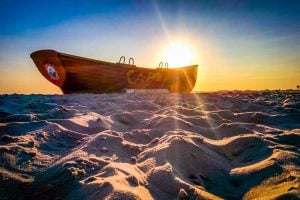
x=121 y=59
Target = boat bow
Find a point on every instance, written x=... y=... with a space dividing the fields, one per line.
x=50 y=66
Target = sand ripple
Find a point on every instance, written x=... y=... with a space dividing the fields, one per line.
x=154 y=146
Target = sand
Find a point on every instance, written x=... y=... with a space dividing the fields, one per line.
x=230 y=145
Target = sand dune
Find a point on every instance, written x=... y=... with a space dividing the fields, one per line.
x=150 y=146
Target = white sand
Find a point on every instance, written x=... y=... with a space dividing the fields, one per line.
x=150 y=146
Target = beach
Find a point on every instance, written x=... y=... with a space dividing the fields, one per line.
x=221 y=145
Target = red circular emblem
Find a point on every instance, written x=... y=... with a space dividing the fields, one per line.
x=51 y=71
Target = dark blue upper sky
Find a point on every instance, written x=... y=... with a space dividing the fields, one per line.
x=276 y=15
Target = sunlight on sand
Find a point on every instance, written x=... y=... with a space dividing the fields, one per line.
x=231 y=145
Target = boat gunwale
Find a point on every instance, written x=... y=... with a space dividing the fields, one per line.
x=122 y=65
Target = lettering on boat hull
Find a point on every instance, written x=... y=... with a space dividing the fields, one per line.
x=136 y=77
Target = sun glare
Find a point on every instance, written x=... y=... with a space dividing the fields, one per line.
x=178 y=54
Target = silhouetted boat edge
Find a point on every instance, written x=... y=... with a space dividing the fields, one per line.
x=75 y=74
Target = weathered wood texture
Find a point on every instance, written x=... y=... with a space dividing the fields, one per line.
x=75 y=74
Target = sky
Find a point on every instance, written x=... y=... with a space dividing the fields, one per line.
x=238 y=44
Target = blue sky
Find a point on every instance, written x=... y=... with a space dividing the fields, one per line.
x=240 y=44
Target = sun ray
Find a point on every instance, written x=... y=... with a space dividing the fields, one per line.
x=158 y=12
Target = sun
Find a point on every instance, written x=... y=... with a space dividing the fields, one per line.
x=178 y=54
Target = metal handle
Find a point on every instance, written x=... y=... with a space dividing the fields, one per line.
x=132 y=61
x=121 y=59
x=166 y=65
x=161 y=64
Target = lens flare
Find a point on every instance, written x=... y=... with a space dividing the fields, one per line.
x=178 y=54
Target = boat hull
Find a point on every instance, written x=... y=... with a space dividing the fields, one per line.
x=75 y=74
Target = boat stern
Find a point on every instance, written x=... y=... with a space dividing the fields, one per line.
x=50 y=66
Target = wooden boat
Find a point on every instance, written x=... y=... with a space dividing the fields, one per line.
x=74 y=74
